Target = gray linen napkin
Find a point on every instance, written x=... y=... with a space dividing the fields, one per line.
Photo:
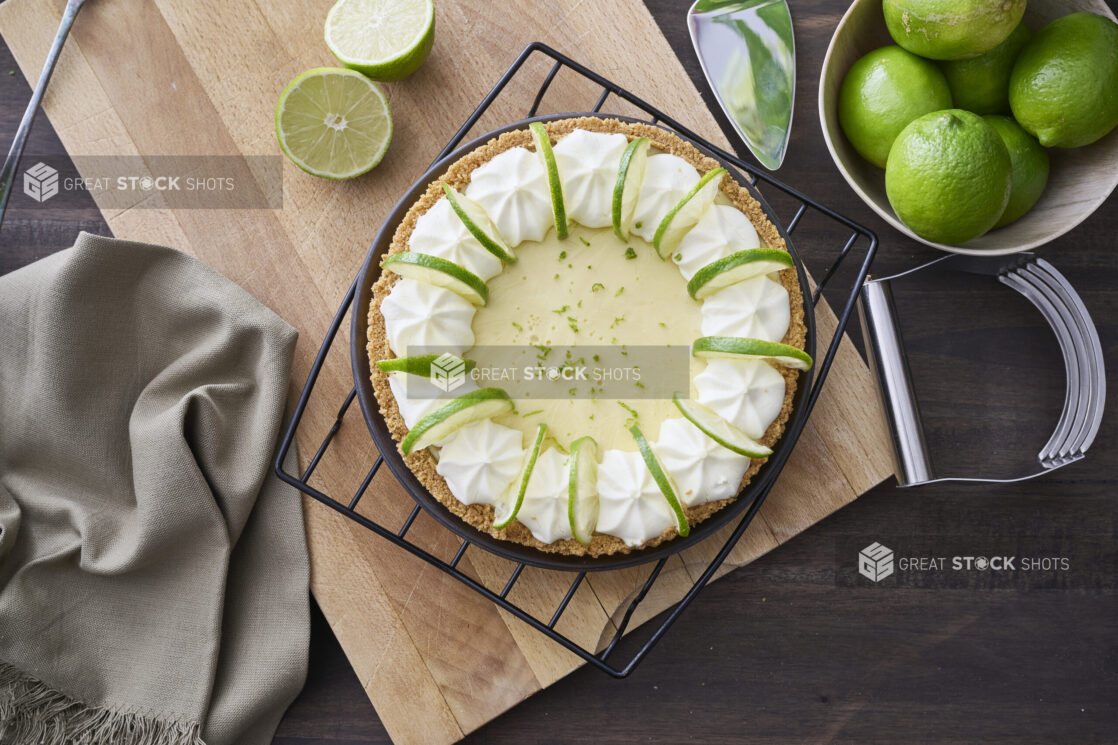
x=153 y=573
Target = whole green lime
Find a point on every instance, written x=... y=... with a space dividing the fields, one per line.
x=1064 y=86
x=981 y=84
x=948 y=176
x=951 y=29
x=1028 y=163
x=884 y=91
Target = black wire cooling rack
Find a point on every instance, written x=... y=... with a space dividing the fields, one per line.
x=854 y=234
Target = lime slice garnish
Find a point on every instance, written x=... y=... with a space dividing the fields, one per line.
x=582 y=494
x=687 y=212
x=333 y=123
x=543 y=149
x=740 y=348
x=439 y=272
x=660 y=476
x=384 y=39
x=737 y=267
x=420 y=364
x=451 y=417
x=478 y=223
x=505 y=510
x=720 y=430
x=630 y=174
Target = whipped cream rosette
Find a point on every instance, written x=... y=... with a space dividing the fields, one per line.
x=757 y=308
x=512 y=189
x=480 y=461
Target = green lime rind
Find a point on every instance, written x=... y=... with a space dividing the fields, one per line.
x=660 y=476
x=1029 y=166
x=981 y=84
x=582 y=489
x=686 y=213
x=494 y=244
x=302 y=142
x=340 y=35
x=1062 y=87
x=437 y=271
x=881 y=93
x=505 y=511
x=742 y=348
x=452 y=416
x=951 y=29
x=718 y=429
x=737 y=267
x=630 y=174
x=420 y=364
x=949 y=176
x=543 y=148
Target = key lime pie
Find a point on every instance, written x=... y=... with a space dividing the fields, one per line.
x=586 y=231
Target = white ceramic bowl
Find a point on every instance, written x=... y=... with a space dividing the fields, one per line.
x=1080 y=180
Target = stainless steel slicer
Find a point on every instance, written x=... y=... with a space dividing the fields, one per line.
x=1048 y=290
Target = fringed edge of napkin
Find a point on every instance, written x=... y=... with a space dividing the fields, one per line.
x=33 y=713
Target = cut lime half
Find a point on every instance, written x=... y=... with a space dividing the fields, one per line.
x=630 y=174
x=505 y=510
x=333 y=123
x=741 y=348
x=453 y=416
x=478 y=223
x=687 y=212
x=660 y=476
x=437 y=271
x=737 y=267
x=582 y=494
x=718 y=429
x=384 y=39
x=547 y=157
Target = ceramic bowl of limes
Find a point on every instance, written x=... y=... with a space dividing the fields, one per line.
x=1080 y=177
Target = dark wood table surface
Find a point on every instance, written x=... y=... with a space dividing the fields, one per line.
x=788 y=649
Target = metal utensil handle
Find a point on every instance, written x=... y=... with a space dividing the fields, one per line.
x=11 y=163
x=1061 y=306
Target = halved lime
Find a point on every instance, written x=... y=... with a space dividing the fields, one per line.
x=547 y=157
x=660 y=476
x=505 y=510
x=478 y=223
x=687 y=212
x=384 y=39
x=630 y=174
x=740 y=348
x=453 y=416
x=582 y=494
x=439 y=272
x=420 y=364
x=737 y=267
x=720 y=430
x=333 y=123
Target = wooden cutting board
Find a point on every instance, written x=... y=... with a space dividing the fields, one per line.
x=201 y=77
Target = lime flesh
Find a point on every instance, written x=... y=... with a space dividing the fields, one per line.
x=333 y=123
x=384 y=39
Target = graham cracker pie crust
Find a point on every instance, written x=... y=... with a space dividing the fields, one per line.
x=423 y=463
